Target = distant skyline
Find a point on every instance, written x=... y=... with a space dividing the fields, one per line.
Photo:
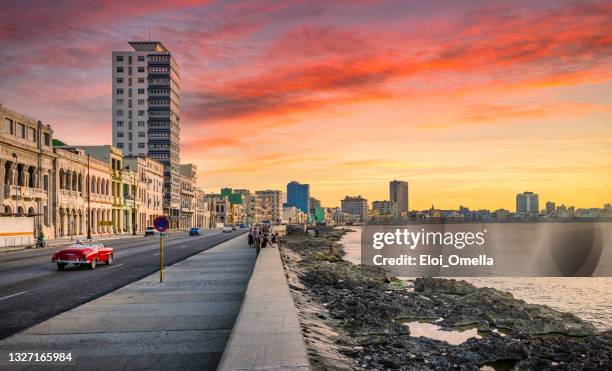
x=470 y=102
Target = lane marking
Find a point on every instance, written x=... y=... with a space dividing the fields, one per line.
x=115 y=266
x=10 y=296
x=155 y=254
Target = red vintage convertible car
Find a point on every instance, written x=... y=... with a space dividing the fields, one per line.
x=88 y=253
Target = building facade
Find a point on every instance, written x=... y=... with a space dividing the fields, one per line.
x=398 y=193
x=272 y=201
x=146 y=112
x=527 y=203
x=27 y=170
x=355 y=206
x=298 y=195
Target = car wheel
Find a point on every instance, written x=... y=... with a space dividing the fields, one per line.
x=60 y=266
x=93 y=264
x=109 y=261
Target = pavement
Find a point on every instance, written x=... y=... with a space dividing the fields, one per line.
x=32 y=290
x=267 y=334
x=182 y=323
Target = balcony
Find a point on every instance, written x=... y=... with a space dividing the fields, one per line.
x=26 y=193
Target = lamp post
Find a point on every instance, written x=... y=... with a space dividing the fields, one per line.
x=88 y=201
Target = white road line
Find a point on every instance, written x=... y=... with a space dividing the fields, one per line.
x=155 y=254
x=10 y=296
x=115 y=266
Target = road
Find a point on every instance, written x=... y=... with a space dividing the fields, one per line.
x=33 y=290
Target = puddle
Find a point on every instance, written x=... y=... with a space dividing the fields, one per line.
x=435 y=332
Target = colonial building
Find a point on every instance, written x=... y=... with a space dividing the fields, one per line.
x=27 y=164
x=148 y=187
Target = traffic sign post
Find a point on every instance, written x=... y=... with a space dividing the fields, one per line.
x=161 y=224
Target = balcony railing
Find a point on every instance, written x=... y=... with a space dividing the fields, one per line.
x=23 y=192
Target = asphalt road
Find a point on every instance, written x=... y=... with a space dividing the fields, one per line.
x=33 y=290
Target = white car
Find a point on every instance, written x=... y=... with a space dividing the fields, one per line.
x=227 y=229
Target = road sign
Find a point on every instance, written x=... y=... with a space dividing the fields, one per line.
x=161 y=223
x=161 y=234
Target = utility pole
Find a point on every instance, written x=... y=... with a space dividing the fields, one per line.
x=88 y=201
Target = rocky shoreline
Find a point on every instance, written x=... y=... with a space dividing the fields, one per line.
x=356 y=317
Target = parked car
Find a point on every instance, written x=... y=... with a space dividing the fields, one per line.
x=234 y=228
x=195 y=231
x=150 y=231
x=227 y=229
x=85 y=253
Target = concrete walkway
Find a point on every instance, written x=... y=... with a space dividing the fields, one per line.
x=183 y=323
x=267 y=334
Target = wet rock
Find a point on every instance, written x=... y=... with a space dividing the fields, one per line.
x=443 y=286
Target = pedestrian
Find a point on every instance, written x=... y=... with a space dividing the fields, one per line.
x=264 y=241
x=251 y=239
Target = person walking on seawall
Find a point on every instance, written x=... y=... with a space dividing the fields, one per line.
x=251 y=238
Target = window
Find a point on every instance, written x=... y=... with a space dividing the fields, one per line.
x=141 y=58
x=141 y=80
x=141 y=69
x=8 y=126
x=32 y=134
x=119 y=69
x=141 y=113
x=141 y=101
x=119 y=112
x=120 y=101
x=130 y=60
x=119 y=134
x=22 y=130
x=47 y=139
x=130 y=147
x=141 y=134
x=140 y=91
x=46 y=182
x=119 y=145
x=141 y=145
x=119 y=123
x=119 y=80
x=141 y=123
x=119 y=91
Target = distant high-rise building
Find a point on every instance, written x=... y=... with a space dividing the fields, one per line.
x=527 y=203
x=355 y=206
x=298 y=195
x=398 y=193
x=146 y=111
x=550 y=208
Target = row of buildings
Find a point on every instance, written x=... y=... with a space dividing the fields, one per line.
x=72 y=190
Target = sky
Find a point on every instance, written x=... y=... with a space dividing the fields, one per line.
x=471 y=102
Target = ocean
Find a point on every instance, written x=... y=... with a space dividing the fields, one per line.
x=590 y=298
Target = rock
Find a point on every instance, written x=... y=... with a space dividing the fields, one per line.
x=443 y=286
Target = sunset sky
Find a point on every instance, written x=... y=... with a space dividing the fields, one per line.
x=469 y=101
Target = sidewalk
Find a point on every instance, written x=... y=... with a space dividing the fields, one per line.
x=183 y=323
x=267 y=334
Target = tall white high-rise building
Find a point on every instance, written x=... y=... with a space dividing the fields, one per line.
x=146 y=112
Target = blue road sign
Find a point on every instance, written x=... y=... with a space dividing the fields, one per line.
x=161 y=223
